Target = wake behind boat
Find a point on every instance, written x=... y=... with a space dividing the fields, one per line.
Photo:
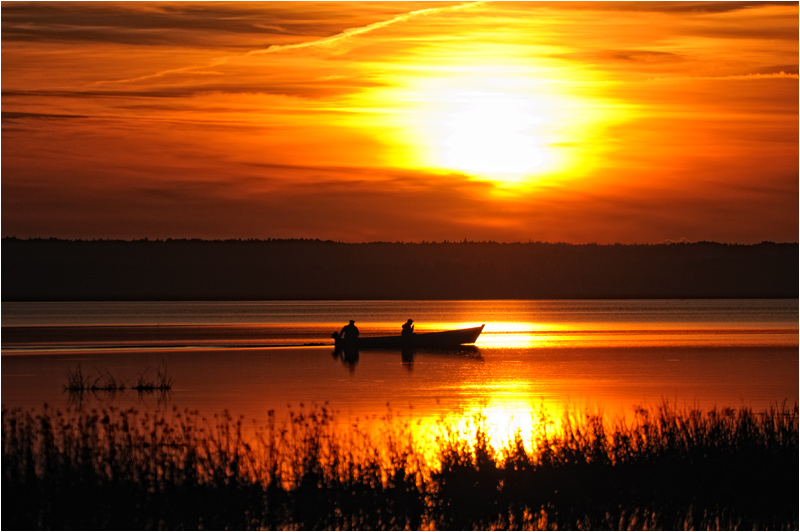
x=452 y=338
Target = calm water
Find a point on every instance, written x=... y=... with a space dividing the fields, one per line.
x=252 y=357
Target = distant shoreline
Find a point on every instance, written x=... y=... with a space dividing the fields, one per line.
x=205 y=270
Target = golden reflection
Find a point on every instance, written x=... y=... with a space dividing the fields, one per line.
x=505 y=418
x=527 y=334
x=502 y=422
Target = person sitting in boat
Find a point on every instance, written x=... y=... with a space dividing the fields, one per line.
x=349 y=331
x=408 y=329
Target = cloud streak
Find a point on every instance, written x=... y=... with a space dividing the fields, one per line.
x=317 y=43
x=733 y=77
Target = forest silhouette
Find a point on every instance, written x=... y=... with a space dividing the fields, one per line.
x=55 y=269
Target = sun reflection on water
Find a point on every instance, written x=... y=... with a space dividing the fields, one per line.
x=529 y=334
x=502 y=424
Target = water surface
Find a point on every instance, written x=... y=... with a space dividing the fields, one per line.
x=253 y=357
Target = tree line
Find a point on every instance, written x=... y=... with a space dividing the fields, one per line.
x=194 y=269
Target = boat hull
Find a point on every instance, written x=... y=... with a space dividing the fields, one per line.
x=417 y=340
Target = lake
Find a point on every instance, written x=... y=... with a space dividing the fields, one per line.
x=250 y=358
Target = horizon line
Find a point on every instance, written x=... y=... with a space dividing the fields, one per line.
x=465 y=241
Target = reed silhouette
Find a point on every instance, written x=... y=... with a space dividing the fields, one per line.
x=664 y=469
x=104 y=381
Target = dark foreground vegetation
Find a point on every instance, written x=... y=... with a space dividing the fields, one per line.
x=121 y=469
x=55 y=270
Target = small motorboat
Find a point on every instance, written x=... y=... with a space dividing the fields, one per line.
x=453 y=338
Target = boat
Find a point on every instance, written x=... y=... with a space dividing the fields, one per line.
x=453 y=338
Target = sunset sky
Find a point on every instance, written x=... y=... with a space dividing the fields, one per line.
x=578 y=122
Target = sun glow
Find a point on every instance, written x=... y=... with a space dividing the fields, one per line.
x=509 y=124
x=498 y=135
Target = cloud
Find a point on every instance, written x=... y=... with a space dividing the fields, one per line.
x=349 y=204
x=324 y=42
x=623 y=55
x=772 y=69
x=197 y=24
x=731 y=77
x=17 y=115
x=679 y=7
x=353 y=32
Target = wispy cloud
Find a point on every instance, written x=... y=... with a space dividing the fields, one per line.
x=317 y=43
x=732 y=77
x=353 y=32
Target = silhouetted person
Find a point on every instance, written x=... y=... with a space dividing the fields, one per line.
x=349 y=331
x=408 y=329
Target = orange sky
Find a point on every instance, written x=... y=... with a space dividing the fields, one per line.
x=579 y=122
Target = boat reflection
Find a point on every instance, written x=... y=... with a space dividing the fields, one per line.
x=407 y=356
x=350 y=355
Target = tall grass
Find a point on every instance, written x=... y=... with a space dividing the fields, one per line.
x=663 y=469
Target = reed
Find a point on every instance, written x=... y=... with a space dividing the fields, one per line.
x=663 y=469
x=162 y=382
x=104 y=381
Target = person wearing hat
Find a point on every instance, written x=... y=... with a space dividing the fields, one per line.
x=408 y=329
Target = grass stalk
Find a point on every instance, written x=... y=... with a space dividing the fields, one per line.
x=664 y=469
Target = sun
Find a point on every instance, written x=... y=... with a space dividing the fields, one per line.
x=500 y=136
x=509 y=125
